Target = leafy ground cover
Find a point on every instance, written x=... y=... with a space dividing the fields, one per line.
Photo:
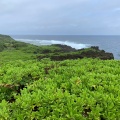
x=32 y=89
x=68 y=90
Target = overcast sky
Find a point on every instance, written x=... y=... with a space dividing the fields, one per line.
x=60 y=17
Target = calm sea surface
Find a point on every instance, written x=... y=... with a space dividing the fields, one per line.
x=107 y=43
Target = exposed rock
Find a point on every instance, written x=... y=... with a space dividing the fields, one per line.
x=92 y=52
x=64 y=48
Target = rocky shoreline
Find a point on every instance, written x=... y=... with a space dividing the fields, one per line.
x=67 y=52
x=57 y=52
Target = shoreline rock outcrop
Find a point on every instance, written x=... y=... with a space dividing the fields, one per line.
x=67 y=52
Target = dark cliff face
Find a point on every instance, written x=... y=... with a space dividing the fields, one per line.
x=67 y=52
x=95 y=52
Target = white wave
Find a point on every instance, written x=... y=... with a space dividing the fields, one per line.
x=50 y=42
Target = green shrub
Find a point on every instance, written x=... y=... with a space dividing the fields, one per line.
x=72 y=89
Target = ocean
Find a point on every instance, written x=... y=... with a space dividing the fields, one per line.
x=107 y=43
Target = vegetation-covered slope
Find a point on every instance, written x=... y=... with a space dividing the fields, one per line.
x=80 y=89
x=14 y=50
x=20 y=50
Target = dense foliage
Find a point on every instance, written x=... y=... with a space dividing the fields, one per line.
x=68 y=90
x=80 y=89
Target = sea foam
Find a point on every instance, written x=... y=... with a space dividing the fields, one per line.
x=50 y=42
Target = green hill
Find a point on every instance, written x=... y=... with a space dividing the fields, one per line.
x=15 y=50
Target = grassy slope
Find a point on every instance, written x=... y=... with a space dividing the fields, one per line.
x=14 y=50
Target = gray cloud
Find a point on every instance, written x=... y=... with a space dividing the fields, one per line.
x=60 y=17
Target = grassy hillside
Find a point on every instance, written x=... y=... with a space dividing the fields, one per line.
x=44 y=89
x=14 y=50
